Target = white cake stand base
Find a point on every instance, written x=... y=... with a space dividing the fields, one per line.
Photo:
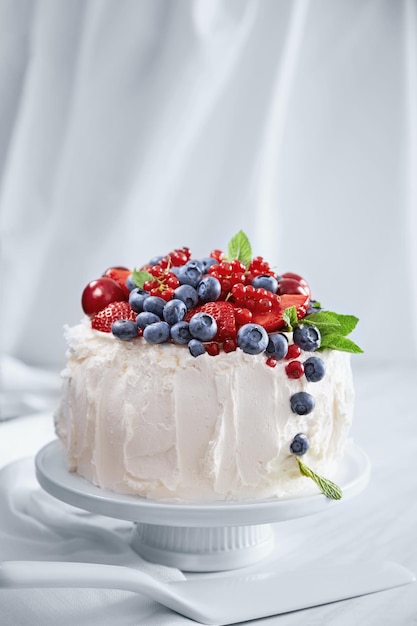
x=202 y=537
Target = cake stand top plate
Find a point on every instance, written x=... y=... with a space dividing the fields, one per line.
x=54 y=477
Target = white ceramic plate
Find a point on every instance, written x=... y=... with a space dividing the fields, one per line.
x=54 y=477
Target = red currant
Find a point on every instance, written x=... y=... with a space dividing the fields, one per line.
x=212 y=348
x=218 y=255
x=271 y=361
x=294 y=369
x=229 y=345
x=294 y=352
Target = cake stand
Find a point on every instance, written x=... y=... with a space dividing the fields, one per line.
x=202 y=537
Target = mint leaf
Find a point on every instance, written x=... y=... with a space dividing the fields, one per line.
x=323 y=319
x=335 y=341
x=290 y=317
x=329 y=489
x=140 y=277
x=239 y=248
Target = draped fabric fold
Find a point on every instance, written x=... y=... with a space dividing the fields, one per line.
x=130 y=128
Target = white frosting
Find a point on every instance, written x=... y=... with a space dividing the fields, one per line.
x=152 y=420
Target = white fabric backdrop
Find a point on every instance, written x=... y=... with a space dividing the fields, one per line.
x=129 y=128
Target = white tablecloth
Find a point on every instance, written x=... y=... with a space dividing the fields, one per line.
x=379 y=523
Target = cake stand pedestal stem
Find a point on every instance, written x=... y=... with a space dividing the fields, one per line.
x=196 y=549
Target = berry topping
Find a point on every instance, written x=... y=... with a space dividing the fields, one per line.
x=299 y=445
x=252 y=338
x=99 y=293
x=145 y=318
x=136 y=299
x=195 y=347
x=180 y=333
x=190 y=274
x=302 y=403
x=187 y=294
x=124 y=329
x=314 y=369
x=294 y=369
x=267 y=282
x=203 y=326
x=307 y=337
x=113 y=312
x=266 y=307
x=154 y=304
x=226 y=300
x=277 y=347
x=120 y=276
x=209 y=289
x=158 y=332
x=292 y=286
x=174 y=311
x=223 y=313
x=294 y=352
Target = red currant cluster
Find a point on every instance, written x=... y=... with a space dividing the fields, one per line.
x=177 y=257
x=228 y=274
x=257 y=300
x=258 y=267
x=163 y=283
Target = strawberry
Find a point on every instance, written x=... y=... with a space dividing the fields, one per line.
x=273 y=320
x=224 y=314
x=115 y=311
x=119 y=274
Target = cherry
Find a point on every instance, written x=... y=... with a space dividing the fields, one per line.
x=99 y=293
x=292 y=286
x=299 y=280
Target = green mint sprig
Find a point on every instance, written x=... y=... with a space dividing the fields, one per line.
x=140 y=277
x=327 y=487
x=333 y=328
x=239 y=248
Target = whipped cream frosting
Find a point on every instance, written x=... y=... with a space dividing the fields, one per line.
x=152 y=420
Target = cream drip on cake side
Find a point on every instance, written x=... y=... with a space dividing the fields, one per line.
x=153 y=420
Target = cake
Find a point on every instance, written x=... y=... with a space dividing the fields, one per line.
x=207 y=380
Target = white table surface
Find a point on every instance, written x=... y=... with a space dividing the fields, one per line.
x=380 y=523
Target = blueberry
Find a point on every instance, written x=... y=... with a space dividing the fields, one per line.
x=252 y=338
x=155 y=259
x=203 y=326
x=136 y=299
x=300 y=444
x=190 y=274
x=207 y=262
x=145 y=318
x=266 y=282
x=157 y=332
x=313 y=307
x=277 y=346
x=314 y=369
x=209 y=289
x=174 y=311
x=195 y=347
x=307 y=337
x=130 y=284
x=302 y=403
x=124 y=329
x=180 y=333
x=154 y=304
x=187 y=294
